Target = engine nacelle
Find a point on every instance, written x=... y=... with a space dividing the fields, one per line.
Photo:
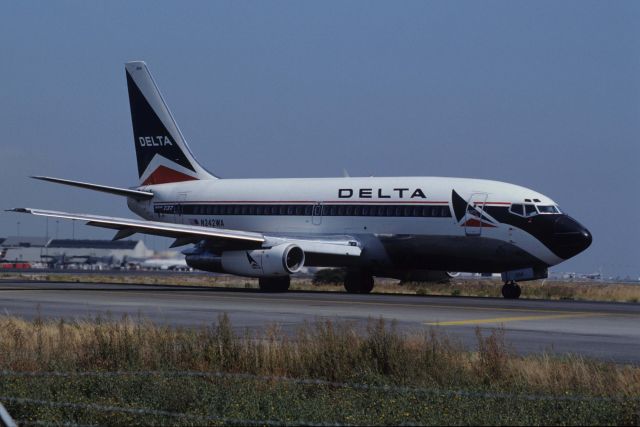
x=280 y=260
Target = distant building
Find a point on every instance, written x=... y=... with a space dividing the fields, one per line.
x=64 y=251
x=24 y=242
x=117 y=249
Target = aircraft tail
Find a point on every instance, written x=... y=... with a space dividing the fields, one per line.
x=162 y=152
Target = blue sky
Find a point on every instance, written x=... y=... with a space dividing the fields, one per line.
x=542 y=94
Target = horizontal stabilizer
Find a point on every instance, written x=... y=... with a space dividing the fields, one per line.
x=136 y=194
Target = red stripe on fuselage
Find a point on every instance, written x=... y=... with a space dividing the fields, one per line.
x=164 y=175
x=352 y=202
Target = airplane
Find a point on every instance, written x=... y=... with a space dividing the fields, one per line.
x=60 y=260
x=95 y=260
x=372 y=226
x=171 y=264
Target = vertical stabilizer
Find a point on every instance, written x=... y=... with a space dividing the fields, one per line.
x=162 y=152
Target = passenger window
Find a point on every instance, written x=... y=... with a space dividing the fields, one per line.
x=446 y=212
x=530 y=210
x=517 y=209
x=308 y=209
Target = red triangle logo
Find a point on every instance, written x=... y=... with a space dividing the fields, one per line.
x=473 y=222
x=164 y=175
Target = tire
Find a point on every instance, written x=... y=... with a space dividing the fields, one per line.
x=274 y=284
x=357 y=282
x=511 y=290
x=517 y=291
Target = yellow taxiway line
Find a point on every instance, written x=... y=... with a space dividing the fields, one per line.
x=512 y=319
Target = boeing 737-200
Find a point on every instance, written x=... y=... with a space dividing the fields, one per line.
x=271 y=228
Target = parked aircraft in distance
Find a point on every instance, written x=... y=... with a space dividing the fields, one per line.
x=271 y=228
x=172 y=264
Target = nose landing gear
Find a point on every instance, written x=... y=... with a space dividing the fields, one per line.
x=511 y=290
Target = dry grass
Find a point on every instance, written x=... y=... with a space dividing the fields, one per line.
x=326 y=350
x=489 y=386
x=538 y=289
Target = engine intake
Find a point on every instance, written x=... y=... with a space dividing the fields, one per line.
x=280 y=260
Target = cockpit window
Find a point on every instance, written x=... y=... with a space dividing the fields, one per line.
x=517 y=209
x=548 y=209
x=530 y=210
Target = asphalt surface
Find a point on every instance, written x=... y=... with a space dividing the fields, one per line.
x=606 y=331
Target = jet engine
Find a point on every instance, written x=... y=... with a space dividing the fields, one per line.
x=280 y=260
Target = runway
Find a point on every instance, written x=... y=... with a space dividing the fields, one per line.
x=607 y=331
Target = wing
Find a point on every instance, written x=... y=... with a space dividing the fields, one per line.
x=225 y=238
x=126 y=227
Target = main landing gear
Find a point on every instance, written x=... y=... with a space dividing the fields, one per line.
x=274 y=284
x=358 y=282
x=511 y=290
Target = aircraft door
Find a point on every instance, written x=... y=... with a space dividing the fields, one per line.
x=473 y=214
x=316 y=214
x=179 y=208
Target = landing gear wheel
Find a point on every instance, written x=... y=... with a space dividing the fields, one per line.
x=511 y=290
x=358 y=282
x=274 y=284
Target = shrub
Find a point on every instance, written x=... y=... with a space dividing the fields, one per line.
x=329 y=276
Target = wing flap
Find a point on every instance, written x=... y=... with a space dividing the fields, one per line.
x=324 y=246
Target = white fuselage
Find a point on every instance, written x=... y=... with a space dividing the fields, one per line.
x=386 y=208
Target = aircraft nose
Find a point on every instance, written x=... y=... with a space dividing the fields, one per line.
x=570 y=237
